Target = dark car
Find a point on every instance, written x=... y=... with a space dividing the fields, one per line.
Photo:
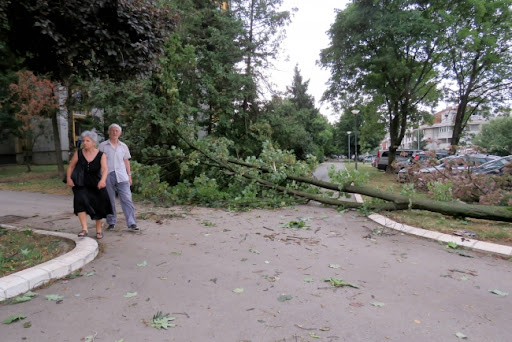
x=401 y=157
x=494 y=167
x=423 y=157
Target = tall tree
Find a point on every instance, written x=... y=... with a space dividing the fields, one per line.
x=384 y=50
x=263 y=25
x=34 y=99
x=86 y=38
x=479 y=56
x=496 y=137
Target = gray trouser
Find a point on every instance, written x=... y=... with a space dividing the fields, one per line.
x=125 y=197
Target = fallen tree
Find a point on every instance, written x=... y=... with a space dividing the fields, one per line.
x=393 y=201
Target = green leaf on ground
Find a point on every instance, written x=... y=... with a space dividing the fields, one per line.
x=309 y=280
x=161 y=321
x=54 y=297
x=27 y=324
x=24 y=251
x=14 y=318
x=499 y=293
x=21 y=299
x=30 y=294
x=90 y=274
x=452 y=244
x=130 y=294
x=295 y=225
x=378 y=304
x=255 y=251
x=144 y=263
x=238 y=290
x=313 y=335
x=335 y=282
x=334 y=266
x=284 y=298
x=461 y=336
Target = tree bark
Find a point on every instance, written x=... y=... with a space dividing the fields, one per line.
x=56 y=140
x=455 y=209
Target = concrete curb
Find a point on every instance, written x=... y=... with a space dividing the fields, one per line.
x=459 y=240
x=84 y=252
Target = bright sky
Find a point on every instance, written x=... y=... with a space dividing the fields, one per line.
x=306 y=37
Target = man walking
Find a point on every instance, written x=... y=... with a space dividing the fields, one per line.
x=119 y=177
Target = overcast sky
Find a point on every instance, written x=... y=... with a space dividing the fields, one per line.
x=306 y=37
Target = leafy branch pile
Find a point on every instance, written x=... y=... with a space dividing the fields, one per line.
x=447 y=184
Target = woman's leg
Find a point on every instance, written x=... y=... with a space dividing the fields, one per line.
x=83 y=222
x=99 y=234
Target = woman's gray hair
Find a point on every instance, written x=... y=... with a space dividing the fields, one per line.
x=114 y=125
x=92 y=135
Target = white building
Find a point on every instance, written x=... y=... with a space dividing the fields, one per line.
x=438 y=135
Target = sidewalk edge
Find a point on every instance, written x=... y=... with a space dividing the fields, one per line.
x=86 y=249
x=481 y=246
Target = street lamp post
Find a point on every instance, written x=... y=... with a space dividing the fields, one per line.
x=348 y=133
x=355 y=112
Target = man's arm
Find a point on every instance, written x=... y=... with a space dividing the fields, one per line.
x=128 y=169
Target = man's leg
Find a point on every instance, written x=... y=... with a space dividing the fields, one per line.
x=125 y=197
x=111 y=184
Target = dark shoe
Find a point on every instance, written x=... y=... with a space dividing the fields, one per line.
x=83 y=233
x=133 y=227
x=111 y=227
x=99 y=235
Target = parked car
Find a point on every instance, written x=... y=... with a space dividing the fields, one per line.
x=401 y=157
x=455 y=163
x=493 y=167
x=369 y=159
x=423 y=157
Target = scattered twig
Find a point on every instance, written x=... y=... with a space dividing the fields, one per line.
x=298 y=326
x=181 y=313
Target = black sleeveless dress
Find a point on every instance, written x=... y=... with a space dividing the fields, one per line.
x=95 y=202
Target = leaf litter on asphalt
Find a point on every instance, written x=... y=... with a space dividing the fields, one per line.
x=24 y=298
x=284 y=298
x=14 y=318
x=499 y=293
x=53 y=297
x=130 y=294
x=336 y=282
x=161 y=321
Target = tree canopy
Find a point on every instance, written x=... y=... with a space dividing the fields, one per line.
x=384 y=50
x=478 y=56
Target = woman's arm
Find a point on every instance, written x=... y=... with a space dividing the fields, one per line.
x=71 y=167
x=104 y=172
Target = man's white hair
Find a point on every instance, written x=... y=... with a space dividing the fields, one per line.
x=114 y=125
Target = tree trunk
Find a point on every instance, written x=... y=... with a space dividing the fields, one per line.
x=455 y=209
x=398 y=201
x=58 y=149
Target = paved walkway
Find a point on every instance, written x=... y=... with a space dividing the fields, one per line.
x=195 y=257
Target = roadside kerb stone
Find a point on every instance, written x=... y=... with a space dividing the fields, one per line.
x=461 y=241
x=84 y=252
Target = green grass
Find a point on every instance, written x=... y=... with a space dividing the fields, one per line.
x=42 y=178
x=23 y=249
x=492 y=231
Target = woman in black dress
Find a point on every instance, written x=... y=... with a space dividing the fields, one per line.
x=90 y=194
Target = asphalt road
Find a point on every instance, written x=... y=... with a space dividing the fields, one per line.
x=187 y=261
